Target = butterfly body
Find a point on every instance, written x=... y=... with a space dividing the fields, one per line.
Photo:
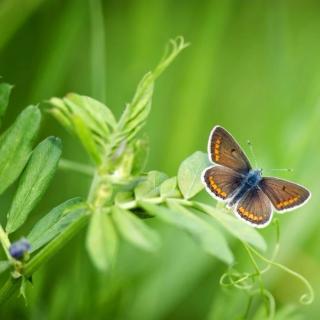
x=251 y=196
x=250 y=181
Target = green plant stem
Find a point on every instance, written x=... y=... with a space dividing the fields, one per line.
x=11 y=285
x=305 y=298
x=5 y=242
x=65 y=164
x=256 y=267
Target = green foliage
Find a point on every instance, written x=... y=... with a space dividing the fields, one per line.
x=16 y=145
x=34 y=181
x=102 y=240
x=150 y=187
x=55 y=222
x=189 y=172
x=5 y=90
x=134 y=230
x=120 y=195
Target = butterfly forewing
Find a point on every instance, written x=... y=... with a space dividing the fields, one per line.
x=224 y=150
x=284 y=195
x=221 y=182
x=255 y=208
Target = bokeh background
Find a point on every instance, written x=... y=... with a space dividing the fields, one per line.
x=253 y=67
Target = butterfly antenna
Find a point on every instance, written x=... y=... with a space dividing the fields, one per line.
x=281 y=169
x=252 y=153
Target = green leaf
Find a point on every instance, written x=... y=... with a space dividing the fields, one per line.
x=16 y=145
x=5 y=90
x=150 y=187
x=96 y=114
x=102 y=240
x=123 y=198
x=86 y=138
x=210 y=239
x=235 y=227
x=34 y=181
x=189 y=174
x=141 y=153
x=55 y=222
x=4 y=266
x=137 y=111
x=169 y=188
x=134 y=230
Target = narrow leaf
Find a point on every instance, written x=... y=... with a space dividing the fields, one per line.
x=5 y=90
x=141 y=153
x=55 y=222
x=134 y=230
x=34 y=181
x=102 y=241
x=16 y=145
x=137 y=111
x=235 y=227
x=86 y=138
x=210 y=239
x=189 y=174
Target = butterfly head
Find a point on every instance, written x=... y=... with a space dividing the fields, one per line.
x=254 y=177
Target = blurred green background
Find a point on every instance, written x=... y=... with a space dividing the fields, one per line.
x=253 y=67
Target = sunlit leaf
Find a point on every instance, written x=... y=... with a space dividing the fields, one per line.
x=16 y=145
x=150 y=187
x=235 y=227
x=189 y=174
x=102 y=240
x=86 y=138
x=169 y=188
x=34 y=181
x=137 y=111
x=135 y=230
x=209 y=238
x=55 y=222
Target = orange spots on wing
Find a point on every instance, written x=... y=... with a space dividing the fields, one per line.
x=216 y=148
x=287 y=202
x=250 y=216
x=215 y=188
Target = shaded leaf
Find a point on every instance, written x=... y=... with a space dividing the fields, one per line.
x=55 y=222
x=210 y=239
x=4 y=265
x=141 y=153
x=189 y=174
x=122 y=198
x=235 y=227
x=150 y=187
x=134 y=230
x=5 y=90
x=169 y=188
x=34 y=181
x=102 y=240
x=16 y=145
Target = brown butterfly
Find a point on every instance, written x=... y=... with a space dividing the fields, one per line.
x=251 y=196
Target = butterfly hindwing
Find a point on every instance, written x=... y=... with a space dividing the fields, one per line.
x=255 y=208
x=284 y=195
x=221 y=182
x=224 y=150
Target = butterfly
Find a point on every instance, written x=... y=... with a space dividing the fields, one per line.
x=252 y=197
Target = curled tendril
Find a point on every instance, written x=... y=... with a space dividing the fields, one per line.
x=247 y=281
x=233 y=278
x=306 y=298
